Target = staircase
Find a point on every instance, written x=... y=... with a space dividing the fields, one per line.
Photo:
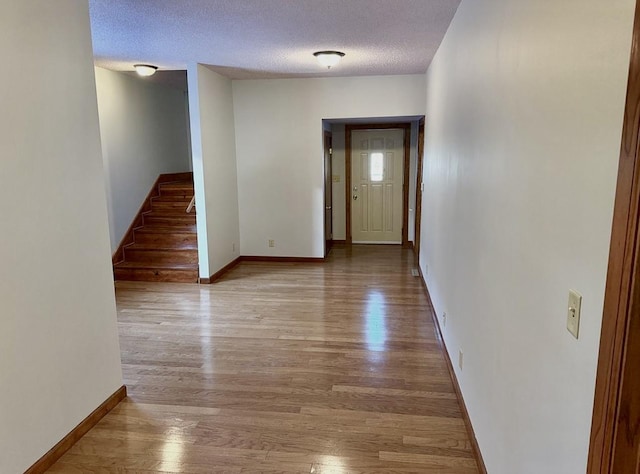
x=162 y=244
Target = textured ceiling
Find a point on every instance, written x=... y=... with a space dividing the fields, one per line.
x=270 y=38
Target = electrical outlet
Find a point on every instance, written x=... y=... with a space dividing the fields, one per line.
x=444 y=320
x=573 y=313
x=426 y=269
x=460 y=358
x=272 y=243
x=233 y=247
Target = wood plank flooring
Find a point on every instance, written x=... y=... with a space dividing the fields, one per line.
x=282 y=367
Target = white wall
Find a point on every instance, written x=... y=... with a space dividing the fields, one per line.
x=279 y=149
x=144 y=133
x=413 y=176
x=214 y=168
x=524 y=112
x=59 y=354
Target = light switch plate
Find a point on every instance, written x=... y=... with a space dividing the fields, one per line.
x=573 y=313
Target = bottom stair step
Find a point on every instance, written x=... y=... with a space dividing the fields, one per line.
x=141 y=271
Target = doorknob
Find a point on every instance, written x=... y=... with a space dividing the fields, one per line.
x=328 y=208
x=355 y=197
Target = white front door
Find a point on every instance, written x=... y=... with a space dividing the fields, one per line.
x=376 y=194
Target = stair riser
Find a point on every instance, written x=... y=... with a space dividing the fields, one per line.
x=158 y=229
x=168 y=220
x=177 y=185
x=172 y=211
x=176 y=204
x=176 y=191
x=178 y=196
x=173 y=198
x=166 y=240
x=161 y=256
x=176 y=276
x=165 y=247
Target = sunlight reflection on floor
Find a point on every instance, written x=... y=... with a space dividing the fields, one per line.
x=375 y=321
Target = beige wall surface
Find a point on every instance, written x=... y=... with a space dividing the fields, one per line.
x=214 y=168
x=278 y=125
x=524 y=114
x=59 y=354
x=143 y=129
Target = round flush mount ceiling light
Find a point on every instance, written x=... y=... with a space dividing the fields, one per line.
x=328 y=58
x=145 y=69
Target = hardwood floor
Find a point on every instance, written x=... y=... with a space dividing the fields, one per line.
x=282 y=367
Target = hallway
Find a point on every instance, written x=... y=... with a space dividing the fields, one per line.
x=282 y=367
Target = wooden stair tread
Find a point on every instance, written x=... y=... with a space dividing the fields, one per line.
x=159 y=229
x=162 y=213
x=176 y=198
x=171 y=211
x=176 y=183
x=167 y=221
x=155 y=207
x=170 y=204
x=176 y=186
x=152 y=265
x=156 y=246
x=163 y=245
x=168 y=212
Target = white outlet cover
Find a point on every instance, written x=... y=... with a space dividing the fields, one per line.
x=460 y=358
x=573 y=313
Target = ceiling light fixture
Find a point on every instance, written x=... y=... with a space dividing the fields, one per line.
x=328 y=58
x=145 y=69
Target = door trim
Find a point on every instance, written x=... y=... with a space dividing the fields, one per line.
x=406 y=127
x=418 y=216
x=327 y=144
x=611 y=409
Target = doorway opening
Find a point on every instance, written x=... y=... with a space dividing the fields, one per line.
x=328 y=192
x=386 y=201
